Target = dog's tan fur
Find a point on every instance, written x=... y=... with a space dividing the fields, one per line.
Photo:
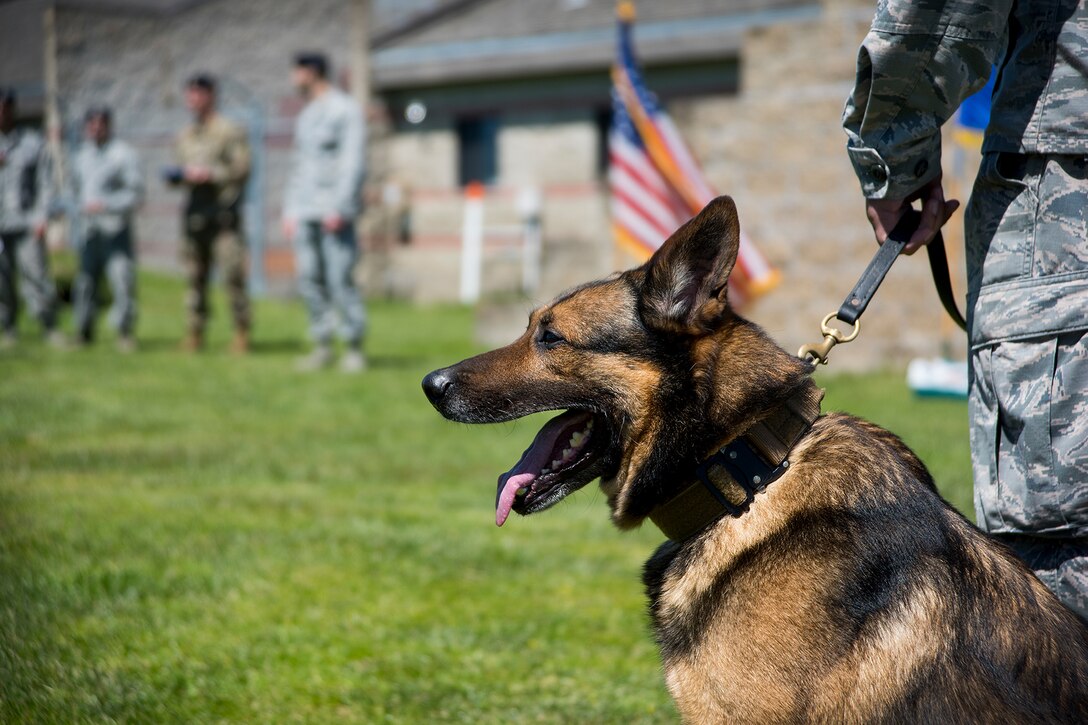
x=848 y=591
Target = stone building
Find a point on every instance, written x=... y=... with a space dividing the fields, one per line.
x=514 y=93
x=756 y=87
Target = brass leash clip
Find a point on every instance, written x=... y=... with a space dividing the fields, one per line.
x=817 y=352
x=858 y=299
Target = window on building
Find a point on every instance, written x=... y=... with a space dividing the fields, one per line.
x=602 y=119
x=478 y=149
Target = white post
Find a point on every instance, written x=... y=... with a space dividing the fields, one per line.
x=529 y=207
x=472 y=243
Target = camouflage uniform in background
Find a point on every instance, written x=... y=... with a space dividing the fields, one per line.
x=24 y=198
x=110 y=175
x=326 y=176
x=1027 y=243
x=212 y=217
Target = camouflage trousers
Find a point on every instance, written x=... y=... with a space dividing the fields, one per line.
x=1062 y=565
x=24 y=264
x=326 y=268
x=211 y=241
x=1027 y=259
x=113 y=255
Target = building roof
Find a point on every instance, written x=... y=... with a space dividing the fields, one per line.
x=387 y=16
x=473 y=40
x=135 y=7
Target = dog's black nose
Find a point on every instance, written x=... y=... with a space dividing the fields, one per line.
x=436 y=384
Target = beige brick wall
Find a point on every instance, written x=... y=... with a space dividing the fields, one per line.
x=548 y=154
x=424 y=159
x=557 y=159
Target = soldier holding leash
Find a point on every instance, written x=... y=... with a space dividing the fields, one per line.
x=1027 y=243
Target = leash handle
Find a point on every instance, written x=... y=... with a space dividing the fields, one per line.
x=859 y=297
x=874 y=274
x=862 y=293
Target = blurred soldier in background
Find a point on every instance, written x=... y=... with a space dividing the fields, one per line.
x=107 y=188
x=213 y=165
x=24 y=200
x=321 y=205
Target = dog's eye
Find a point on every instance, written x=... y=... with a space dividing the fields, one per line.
x=550 y=338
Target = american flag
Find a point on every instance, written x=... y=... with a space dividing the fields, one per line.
x=656 y=183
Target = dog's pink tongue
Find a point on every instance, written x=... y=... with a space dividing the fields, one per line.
x=508 y=491
x=532 y=462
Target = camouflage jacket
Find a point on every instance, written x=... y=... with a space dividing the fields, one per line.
x=24 y=180
x=110 y=175
x=221 y=146
x=921 y=58
x=328 y=164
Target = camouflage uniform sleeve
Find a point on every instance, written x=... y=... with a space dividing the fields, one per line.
x=352 y=161
x=918 y=62
x=234 y=169
x=43 y=198
x=73 y=193
x=291 y=190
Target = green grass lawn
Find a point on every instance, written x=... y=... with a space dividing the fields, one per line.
x=207 y=539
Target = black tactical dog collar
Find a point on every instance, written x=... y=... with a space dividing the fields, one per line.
x=727 y=482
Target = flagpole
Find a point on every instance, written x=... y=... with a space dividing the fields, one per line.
x=622 y=245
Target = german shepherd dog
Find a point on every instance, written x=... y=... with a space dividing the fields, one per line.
x=845 y=590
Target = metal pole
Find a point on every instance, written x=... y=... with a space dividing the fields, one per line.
x=255 y=200
x=52 y=104
x=360 y=52
x=360 y=89
x=57 y=231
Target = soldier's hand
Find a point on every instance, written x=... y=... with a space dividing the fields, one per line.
x=884 y=214
x=332 y=223
x=197 y=174
x=94 y=207
x=290 y=227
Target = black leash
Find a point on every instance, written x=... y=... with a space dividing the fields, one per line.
x=942 y=279
x=855 y=303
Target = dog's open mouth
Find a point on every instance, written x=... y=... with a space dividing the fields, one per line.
x=568 y=445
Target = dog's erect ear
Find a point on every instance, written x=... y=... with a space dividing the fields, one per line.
x=687 y=278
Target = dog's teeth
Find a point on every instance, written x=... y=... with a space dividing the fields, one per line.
x=568 y=454
x=557 y=463
x=577 y=439
x=522 y=491
x=589 y=425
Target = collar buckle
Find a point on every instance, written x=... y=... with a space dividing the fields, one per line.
x=747 y=469
x=742 y=468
